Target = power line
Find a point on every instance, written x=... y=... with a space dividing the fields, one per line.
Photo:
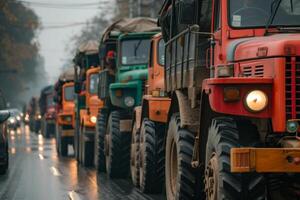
x=91 y=5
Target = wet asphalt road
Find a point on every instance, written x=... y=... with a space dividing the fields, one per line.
x=37 y=173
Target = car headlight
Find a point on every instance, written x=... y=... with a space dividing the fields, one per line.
x=256 y=101
x=39 y=116
x=12 y=120
x=18 y=118
x=93 y=119
x=129 y=101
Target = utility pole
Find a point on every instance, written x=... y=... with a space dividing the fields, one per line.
x=139 y=7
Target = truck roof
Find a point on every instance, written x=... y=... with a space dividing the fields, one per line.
x=130 y=25
x=88 y=48
x=67 y=75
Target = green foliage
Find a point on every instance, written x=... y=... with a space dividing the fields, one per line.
x=20 y=63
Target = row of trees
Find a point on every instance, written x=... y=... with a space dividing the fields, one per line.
x=21 y=66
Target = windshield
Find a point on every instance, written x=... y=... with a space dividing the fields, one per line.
x=69 y=93
x=256 y=13
x=135 y=52
x=161 y=52
x=50 y=101
x=94 y=80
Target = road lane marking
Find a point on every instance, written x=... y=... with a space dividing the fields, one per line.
x=41 y=157
x=74 y=196
x=55 y=171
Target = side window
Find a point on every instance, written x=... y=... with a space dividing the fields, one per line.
x=205 y=15
x=217 y=17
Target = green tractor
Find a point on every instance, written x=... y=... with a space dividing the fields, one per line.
x=124 y=54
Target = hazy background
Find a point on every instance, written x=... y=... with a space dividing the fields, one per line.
x=39 y=38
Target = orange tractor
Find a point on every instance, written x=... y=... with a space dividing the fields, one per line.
x=147 y=142
x=65 y=109
x=88 y=118
x=87 y=104
x=232 y=72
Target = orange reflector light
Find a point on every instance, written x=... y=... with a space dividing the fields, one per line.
x=240 y=160
x=118 y=93
x=231 y=94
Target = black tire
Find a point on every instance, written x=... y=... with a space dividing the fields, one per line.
x=152 y=157
x=86 y=150
x=4 y=168
x=57 y=138
x=224 y=134
x=134 y=157
x=101 y=129
x=117 y=148
x=47 y=130
x=180 y=176
x=63 y=147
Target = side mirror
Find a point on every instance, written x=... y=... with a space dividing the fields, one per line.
x=186 y=12
x=77 y=87
x=4 y=115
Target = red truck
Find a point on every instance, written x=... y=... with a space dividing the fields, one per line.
x=232 y=73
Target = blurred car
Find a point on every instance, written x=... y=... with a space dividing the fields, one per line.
x=15 y=119
x=4 y=115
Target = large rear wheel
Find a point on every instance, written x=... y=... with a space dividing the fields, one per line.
x=180 y=176
x=117 y=148
x=220 y=183
x=152 y=157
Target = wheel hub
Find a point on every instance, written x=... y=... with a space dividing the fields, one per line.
x=211 y=179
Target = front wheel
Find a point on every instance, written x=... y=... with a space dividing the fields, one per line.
x=100 y=129
x=86 y=148
x=180 y=176
x=220 y=183
x=151 y=157
x=117 y=148
x=134 y=156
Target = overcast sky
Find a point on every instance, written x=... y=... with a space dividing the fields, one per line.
x=53 y=41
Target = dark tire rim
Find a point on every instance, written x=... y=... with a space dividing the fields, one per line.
x=211 y=178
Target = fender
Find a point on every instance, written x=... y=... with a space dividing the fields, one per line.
x=156 y=108
x=189 y=116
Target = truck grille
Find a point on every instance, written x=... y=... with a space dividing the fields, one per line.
x=292 y=87
x=256 y=71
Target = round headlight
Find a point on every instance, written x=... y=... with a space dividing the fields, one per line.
x=256 y=101
x=129 y=101
x=12 y=120
x=292 y=126
x=18 y=118
x=93 y=119
x=39 y=116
